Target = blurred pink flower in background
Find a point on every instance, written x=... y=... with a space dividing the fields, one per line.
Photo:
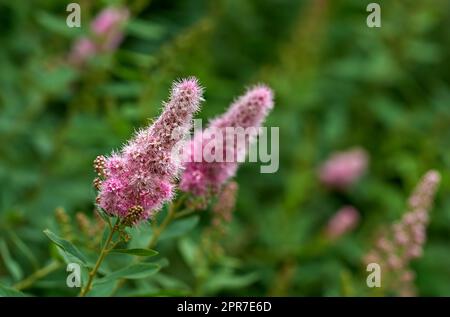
x=106 y=35
x=248 y=111
x=82 y=50
x=139 y=179
x=343 y=169
x=345 y=220
x=107 y=26
x=404 y=240
x=226 y=201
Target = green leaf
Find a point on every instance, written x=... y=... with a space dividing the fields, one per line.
x=180 y=227
x=226 y=280
x=145 y=30
x=57 y=24
x=141 y=236
x=12 y=266
x=22 y=247
x=121 y=90
x=161 y=293
x=66 y=246
x=170 y=282
x=138 y=252
x=53 y=81
x=105 y=236
x=189 y=252
x=6 y=291
x=134 y=271
x=104 y=215
x=103 y=289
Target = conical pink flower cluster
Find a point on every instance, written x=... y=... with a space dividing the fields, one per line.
x=343 y=169
x=139 y=179
x=345 y=220
x=106 y=35
x=202 y=173
x=404 y=240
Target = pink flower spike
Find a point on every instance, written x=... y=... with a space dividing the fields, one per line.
x=140 y=178
x=202 y=172
x=407 y=237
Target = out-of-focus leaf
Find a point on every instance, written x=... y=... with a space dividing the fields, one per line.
x=56 y=80
x=138 y=252
x=103 y=289
x=227 y=280
x=6 y=291
x=145 y=30
x=180 y=227
x=189 y=251
x=170 y=282
x=134 y=271
x=12 y=266
x=21 y=246
x=121 y=90
x=103 y=215
x=66 y=246
x=57 y=24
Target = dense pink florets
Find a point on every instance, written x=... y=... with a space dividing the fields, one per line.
x=404 y=240
x=142 y=174
x=202 y=172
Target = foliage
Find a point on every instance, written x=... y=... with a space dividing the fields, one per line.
x=337 y=84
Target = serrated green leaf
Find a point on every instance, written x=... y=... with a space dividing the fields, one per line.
x=138 y=252
x=66 y=246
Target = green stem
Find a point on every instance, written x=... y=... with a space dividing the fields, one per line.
x=171 y=215
x=103 y=254
x=159 y=229
x=184 y=213
x=37 y=275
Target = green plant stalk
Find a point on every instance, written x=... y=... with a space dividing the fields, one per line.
x=103 y=254
x=37 y=275
x=160 y=229
x=171 y=215
x=184 y=213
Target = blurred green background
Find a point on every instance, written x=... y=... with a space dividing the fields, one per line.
x=337 y=82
